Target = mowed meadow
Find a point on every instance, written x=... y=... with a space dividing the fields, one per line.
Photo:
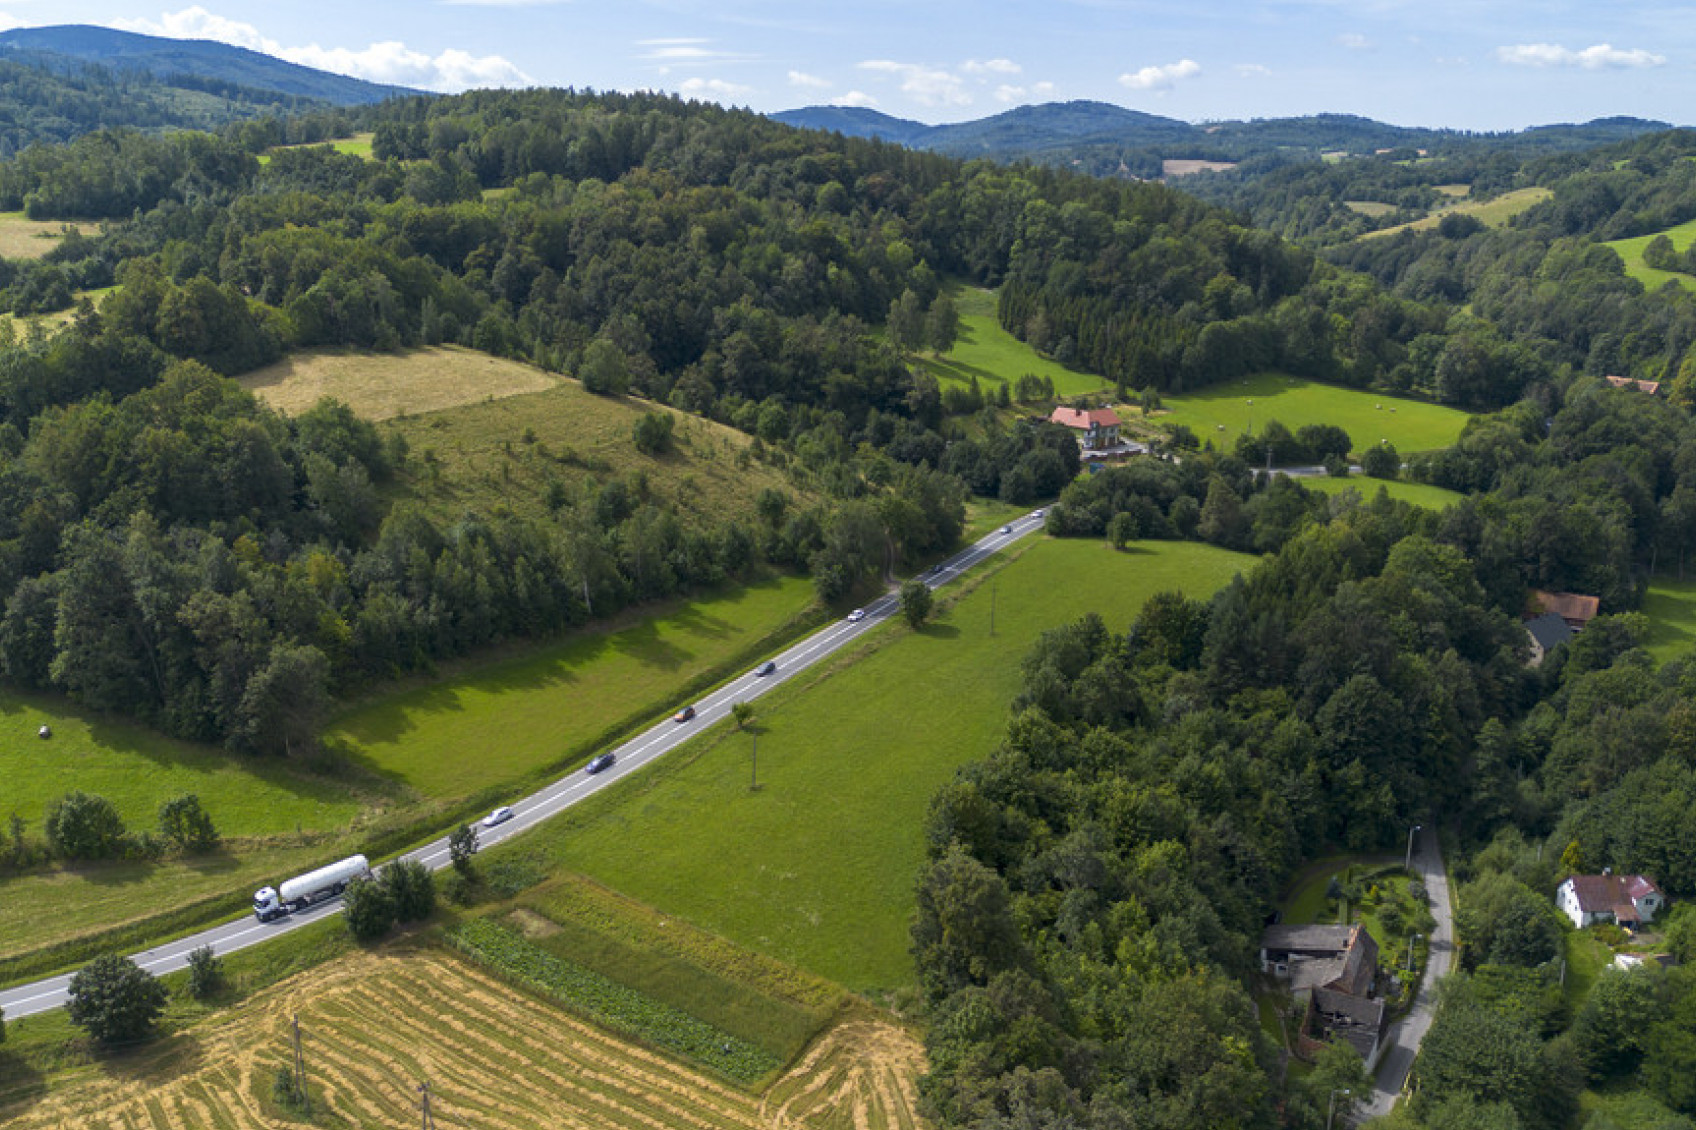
x=993 y=356
x=816 y=867
x=1630 y=252
x=1220 y=413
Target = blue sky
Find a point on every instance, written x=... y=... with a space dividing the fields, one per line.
x=1461 y=63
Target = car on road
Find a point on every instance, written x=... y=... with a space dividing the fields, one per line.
x=684 y=715
x=856 y=616
x=765 y=669
x=1036 y=513
x=499 y=816
x=1006 y=529
x=602 y=762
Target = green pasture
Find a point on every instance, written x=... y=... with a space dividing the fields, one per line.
x=1222 y=412
x=1419 y=494
x=1631 y=251
x=986 y=351
x=816 y=866
x=1492 y=213
x=505 y=721
x=1671 y=608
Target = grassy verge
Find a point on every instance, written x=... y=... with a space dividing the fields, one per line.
x=609 y=1003
x=816 y=866
x=992 y=355
x=1222 y=412
x=1670 y=606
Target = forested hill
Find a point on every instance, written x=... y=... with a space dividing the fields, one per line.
x=1110 y=140
x=208 y=62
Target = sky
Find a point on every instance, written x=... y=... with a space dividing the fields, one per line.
x=1464 y=64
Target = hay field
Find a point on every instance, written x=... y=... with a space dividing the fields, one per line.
x=1172 y=169
x=24 y=238
x=375 y=1026
x=381 y=386
x=1493 y=213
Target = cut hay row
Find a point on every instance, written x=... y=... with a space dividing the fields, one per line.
x=375 y=1027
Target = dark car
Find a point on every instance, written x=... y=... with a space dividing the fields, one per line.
x=765 y=668
x=602 y=762
x=684 y=715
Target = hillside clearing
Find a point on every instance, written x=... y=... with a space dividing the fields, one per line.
x=1670 y=605
x=986 y=351
x=1492 y=213
x=1420 y=494
x=816 y=867
x=1219 y=413
x=24 y=238
x=494 y=1057
x=1652 y=278
x=381 y=386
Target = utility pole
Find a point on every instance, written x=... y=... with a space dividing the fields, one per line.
x=1407 y=865
x=428 y=1123
x=300 y=1069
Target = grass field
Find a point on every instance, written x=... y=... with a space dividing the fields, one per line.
x=380 y=386
x=1369 y=207
x=359 y=145
x=1222 y=412
x=24 y=238
x=816 y=867
x=1492 y=213
x=1586 y=957
x=1631 y=251
x=506 y=721
x=1420 y=494
x=495 y=1058
x=1671 y=608
x=993 y=355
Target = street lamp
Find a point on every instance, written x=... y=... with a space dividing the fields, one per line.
x=1407 y=864
x=1251 y=417
x=1412 y=940
x=1331 y=1108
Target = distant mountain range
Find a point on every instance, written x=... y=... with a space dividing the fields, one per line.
x=167 y=59
x=1089 y=133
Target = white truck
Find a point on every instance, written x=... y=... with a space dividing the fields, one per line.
x=302 y=891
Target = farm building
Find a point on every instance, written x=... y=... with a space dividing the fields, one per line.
x=1628 y=900
x=1335 y=968
x=1097 y=428
x=1547 y=632
x=1650 y=387
x=1575 y=608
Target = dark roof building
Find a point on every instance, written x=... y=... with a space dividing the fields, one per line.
x=1547 y=632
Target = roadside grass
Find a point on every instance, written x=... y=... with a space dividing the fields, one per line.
x=1419 y=494
x=505 y=722
x=1670 y=605
x=1631 y=252
x=816 y=867
x=511 y=452
x=24 y=238
x=1220 y=413
x=381 y=386
x=988 y=352
x=1492 y=213
x=986 y=514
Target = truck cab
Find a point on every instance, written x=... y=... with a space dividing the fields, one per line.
x=266 y=905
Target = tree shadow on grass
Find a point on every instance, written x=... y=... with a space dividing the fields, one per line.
x=152 y=1060
x=941 y=630
x=22 y=1085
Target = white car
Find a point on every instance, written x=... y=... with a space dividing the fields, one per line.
x=499 y=816
x=1036 y=513
x=856 y=616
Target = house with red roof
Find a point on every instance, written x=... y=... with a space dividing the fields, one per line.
x=1626 y=900
x=1097 y=428
x=1650 y=387
x=1575 y=608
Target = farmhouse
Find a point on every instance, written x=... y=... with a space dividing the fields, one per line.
x=1547 y=632
x=1097 y=428
x=1335 y=968
x=1650 y=387
x=1575 y=608
x=1628 y=900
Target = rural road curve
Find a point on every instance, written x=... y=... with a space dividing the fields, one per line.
x=47 y=994
x=1406 y=1035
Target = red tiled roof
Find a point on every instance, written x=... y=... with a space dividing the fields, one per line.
x=1650 y=387
x=1610 y=894
x=1078 y=418
x=1637 y=887
x=1569 y=606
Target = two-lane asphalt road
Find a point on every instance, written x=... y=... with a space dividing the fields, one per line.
x=656 y=742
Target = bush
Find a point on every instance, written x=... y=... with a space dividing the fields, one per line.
x=1382 y=461
x=411 y=889
x=462 y=845
x=369 y=909
x=84 y=826
x=285 y=1091
x=186 y=825
x=916 y=603
x=205 y=973
x=114 y=1000
x=653 y=433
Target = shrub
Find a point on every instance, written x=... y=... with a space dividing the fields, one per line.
x=205 y=973
x=186 y=825
x=411 y=889
x=652 y=432
x=1382 y=461
x=462 y=845
x=369 y=909
x=916 y=603
x=84 y=826
x=114 y=1000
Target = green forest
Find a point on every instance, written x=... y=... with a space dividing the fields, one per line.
x=174 y=551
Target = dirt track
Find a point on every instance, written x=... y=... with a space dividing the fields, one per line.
x=374 y=1027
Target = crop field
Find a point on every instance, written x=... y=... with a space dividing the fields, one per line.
x=1631 y=251
x=816 y=866
x=1492 y=213
x=986 y=351
x=1224 y=411
x=24 y=238
x=380 y=386
x=1671 y=608
x=375 y=1026
x=1420 y=494
x=505 y=721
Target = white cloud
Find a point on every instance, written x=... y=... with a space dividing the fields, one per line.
x=1160 y=78
x=802 y=78
x=853 y=98
x=1253 y=70
x=389 y=62
x=679 y=52
x=9 y=21
x=930 y=86
x=1036 y=91
x=1592 y=58
x=713 y=88
x=1355 y=41
x=991 y=67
